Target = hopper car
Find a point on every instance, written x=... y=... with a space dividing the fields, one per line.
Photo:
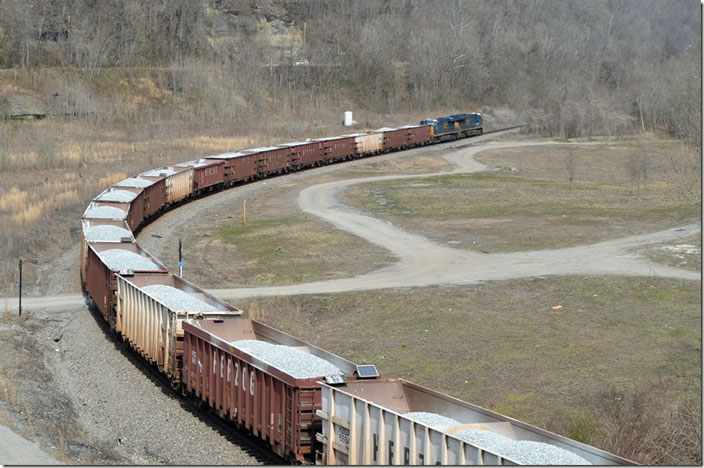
x=212 y=355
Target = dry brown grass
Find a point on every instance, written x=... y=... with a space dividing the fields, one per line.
x=205 y=144
x=649 y=425
x=12 y=199
x=111 y=179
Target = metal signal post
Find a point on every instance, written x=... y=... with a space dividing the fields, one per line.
x=180 y=260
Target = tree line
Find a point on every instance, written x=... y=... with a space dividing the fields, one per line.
x=568 y=68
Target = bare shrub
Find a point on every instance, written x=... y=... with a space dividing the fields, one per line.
x=685 y=172
x=637 y=167
x=571 y=166
x=649 y=425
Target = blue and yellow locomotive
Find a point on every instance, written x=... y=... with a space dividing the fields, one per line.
x=454 y=126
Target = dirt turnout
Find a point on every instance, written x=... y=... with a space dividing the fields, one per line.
x=424 y=263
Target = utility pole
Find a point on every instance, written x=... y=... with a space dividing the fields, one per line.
x=29 y=260
x=20 y=305
x=180 y=259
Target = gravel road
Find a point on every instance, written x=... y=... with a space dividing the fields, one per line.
x=425 y=263
x=420 y=261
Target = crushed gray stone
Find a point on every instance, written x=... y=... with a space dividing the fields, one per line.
x=435 y=421
x=106 y=233
x=176 y=299
x=294 y=362
x=165 y=172
x=134 y=182
x=120 y=259
x=105 y=212
x=524 y=452
x=122 y=196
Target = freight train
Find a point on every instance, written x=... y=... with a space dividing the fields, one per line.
x=306 y=404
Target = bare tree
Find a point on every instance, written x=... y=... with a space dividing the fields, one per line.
x=637 y=167
x=571 y=166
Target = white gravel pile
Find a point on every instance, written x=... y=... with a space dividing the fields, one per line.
x=122 y=196
x=198 y=163
x=120 y=259
x=435 y=421
x=165 y=172
x=177 y=300
x=296 y=363
x=236 y=154
x=134 y=182
x=106 y=233
x=524 y=452
x=262 y=149
x=105 y=212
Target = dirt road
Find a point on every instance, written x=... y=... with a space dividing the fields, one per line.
x=420 y=261
x=424 y=263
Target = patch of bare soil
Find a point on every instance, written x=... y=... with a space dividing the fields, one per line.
x=682 y=253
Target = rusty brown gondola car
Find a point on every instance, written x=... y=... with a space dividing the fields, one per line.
x=263 y=399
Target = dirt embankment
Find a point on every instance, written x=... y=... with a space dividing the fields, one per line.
x=84 y=399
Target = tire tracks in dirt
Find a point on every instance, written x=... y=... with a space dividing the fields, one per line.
x=422 y=262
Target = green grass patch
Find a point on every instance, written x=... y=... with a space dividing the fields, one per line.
x=293 y=250
x=492 y=196
x=496 y=212
x=502 y=346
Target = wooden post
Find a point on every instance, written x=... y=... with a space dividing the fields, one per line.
x=244 y=212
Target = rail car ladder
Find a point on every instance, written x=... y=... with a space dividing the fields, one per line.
x=261 y=166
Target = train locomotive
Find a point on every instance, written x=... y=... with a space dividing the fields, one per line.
x=454 y=126
x=306 y=404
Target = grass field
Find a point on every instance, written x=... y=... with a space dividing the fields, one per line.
x=546 y=351
x=294 y=250
x=281 y=245
x=530 y=203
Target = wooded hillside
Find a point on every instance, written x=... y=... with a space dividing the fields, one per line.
x=568 y=68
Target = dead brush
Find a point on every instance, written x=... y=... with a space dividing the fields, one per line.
x=649 y=426
x=255 y=311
